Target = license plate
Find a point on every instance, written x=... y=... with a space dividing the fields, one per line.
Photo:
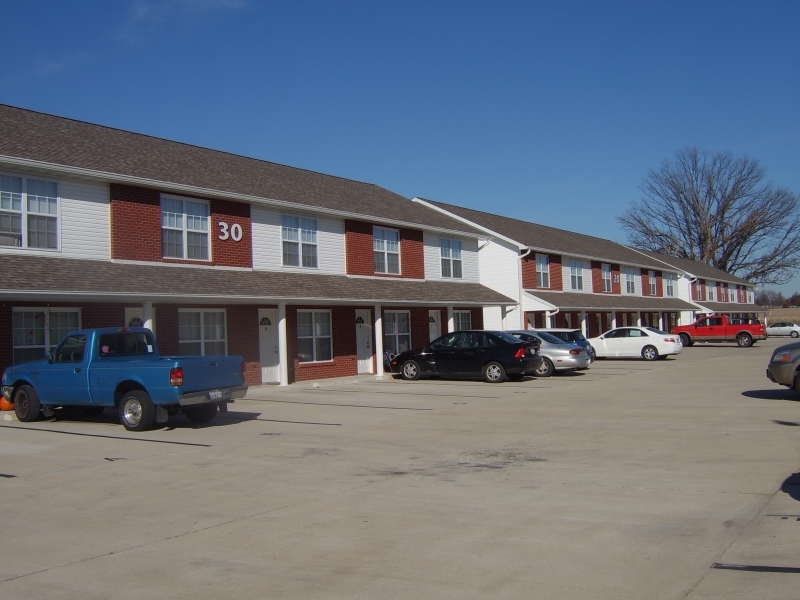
x=215 y=395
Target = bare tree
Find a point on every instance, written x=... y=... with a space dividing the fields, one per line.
x=717 y=209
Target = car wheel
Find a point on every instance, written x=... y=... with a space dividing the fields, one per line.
x=200 y=414
x=686 y=341
x=26 y=404
x=410 y=370
x=494 y=372
x=515 y=376
x=92 y=411
x=794 y=334
x=545 y=369
x=136 y=411
x=744 y=340
x=649 y=353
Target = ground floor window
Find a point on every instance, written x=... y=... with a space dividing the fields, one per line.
x=314 y=338
x=202 y=332
x=397 y=331
x=462 y=320
x=37 y=331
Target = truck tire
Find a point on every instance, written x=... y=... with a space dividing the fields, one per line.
x=26 y=404
x=745 y=340
x=136 y=411
x=686 y=341
x=202 y=413
x=649 y=353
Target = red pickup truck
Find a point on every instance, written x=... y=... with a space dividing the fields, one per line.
x=721 y=329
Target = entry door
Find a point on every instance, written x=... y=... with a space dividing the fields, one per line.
x=364 y=340
x=268 y=345
x=434 y=324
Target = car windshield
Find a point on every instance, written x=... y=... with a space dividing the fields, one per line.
x=656 y=330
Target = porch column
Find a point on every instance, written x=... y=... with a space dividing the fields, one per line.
x=584 y=324
x=661 y=321
x=378 y=341
x=148 y=315
x=451 y=320
x=614 y=320
x=283 y=347
x=639 y=319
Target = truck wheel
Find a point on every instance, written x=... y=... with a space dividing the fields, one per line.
x=744 y=340
x=649 y=353
x=410 y=370
x=202 y=413
x=136 y=411
x=494 y=372
x=26 y=404
x=686 y=341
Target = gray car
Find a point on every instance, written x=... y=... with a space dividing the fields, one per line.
x=558 y=355
x=783 y=366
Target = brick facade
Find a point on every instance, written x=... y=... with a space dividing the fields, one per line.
x=136 y=228
x=359 y=251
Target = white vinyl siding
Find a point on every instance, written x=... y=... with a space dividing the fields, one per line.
x=573 y=268
x=500 y=271
x=268 y=245
x=433 y=258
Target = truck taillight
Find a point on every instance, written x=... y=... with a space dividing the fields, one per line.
x=176 y=376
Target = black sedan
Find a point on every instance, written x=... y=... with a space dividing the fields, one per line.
x=493 y=355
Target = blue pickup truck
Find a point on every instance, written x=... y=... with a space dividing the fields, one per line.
x=122 y=368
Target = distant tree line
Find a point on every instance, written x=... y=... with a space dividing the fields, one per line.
x=772 y=299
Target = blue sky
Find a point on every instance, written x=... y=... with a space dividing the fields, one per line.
x=550 y=112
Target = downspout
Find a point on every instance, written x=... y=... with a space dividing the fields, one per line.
x=522 y=323
x=552 y=313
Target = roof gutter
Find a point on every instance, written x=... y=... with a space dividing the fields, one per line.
x=108 y=177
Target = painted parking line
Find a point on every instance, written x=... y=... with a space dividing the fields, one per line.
x=110 y=437
x=346 y=405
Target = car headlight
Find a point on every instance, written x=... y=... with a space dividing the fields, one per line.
x=782 y=356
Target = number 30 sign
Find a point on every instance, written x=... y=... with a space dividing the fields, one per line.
x=235 y=231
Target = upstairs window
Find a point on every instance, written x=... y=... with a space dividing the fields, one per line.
x=451 y=258
x=710 y=291
x=386 y=245
x=542 y=271
x=630 y=281
x=28 y=213
x=606 y=272
x=669 y=285
x=651 y=280
x=184 y=229
x=576 y=275
x=299 y=237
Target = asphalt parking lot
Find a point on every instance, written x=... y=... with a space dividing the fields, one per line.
x=672 y=479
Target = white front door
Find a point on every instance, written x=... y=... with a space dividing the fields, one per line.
x=434 y=324
x=364 y=340
x=268 y=345
x=134 y=316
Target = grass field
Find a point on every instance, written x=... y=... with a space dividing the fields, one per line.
x=784 y=314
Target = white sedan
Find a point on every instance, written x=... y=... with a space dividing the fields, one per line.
x=784 y=328
x=648 y=343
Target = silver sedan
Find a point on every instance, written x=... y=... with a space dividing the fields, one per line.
x=557 y=354
x=784 y=328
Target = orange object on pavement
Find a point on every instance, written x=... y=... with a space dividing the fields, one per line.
x=5 y=404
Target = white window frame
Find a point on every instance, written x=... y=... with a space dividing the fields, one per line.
x=203 y=339
x=542 y=271
x=184 y=228
x=451 y=258
x=390 y=321
x=47 y=321
x=605 y=269
x=576 y=275
x=710 y=287
x=669 y=285
x=651 y=282
x=380 y=245
x=315 y=335
x=7 y=200
x=462 y=320
x=305 y=236
x=630 y=281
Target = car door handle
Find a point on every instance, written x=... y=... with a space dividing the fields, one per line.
x=77 y=369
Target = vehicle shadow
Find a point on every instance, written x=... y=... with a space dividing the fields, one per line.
x=791 y=486
x=179 y=421
x=773 y=394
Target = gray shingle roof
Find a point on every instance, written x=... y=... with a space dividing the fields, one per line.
x=732 y=307
x=87 y=280
x=574 y=300
x=55 y=140
x=551 y=239
x=699 y=269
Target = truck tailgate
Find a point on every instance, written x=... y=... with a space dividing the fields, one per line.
x=210 y=372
